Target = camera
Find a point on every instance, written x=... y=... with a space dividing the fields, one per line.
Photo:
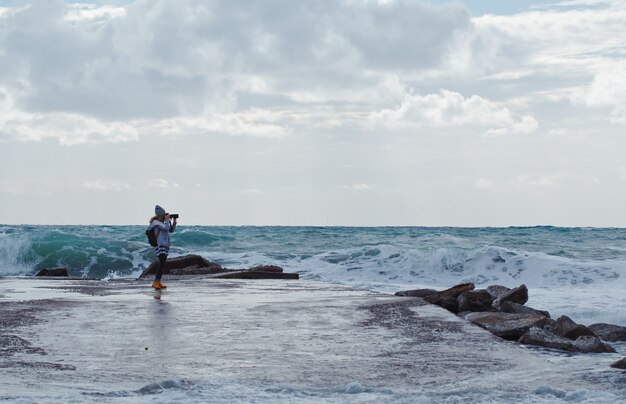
x=173 y=215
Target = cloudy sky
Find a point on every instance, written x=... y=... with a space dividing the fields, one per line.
x=314 y=112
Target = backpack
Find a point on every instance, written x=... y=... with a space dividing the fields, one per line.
x=152 y=237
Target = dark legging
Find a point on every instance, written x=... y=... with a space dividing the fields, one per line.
x=162 y=262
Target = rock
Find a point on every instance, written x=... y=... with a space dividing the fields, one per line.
x=497 y=290
x=563 y=325
x=511 y=307
x=579 y=331
x=620 y=364
x=417 y=293
x=475 y=300
x=609 y=332
x=265 y=268
x=53 y=272
x=568 y=328
x=507 y=325
x=248 y=274
x=189 y=264
x=516 y=295
x=588 y=343
x=540 y=337
x=448 y=298
x=197 y=265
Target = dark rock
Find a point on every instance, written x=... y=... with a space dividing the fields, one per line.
x=507 y=325
x=587 y=343
x=549 y=325
x=192 y=265
x=475 y=300
x=417 y=293
x=511 y=307
x=497 y=290
x=579 y=331
x=540 y=337
x=516 y=295
x=620 y=364
x=568 y=328
x=53 y=272
x=609 y=332
x=448 y=298
x=197 y=265
x=265 y=268
x=256 y=275
x=563 y=325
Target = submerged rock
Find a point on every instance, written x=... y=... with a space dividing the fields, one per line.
x=197 y=265
x=475 y=300
x=248 y=274
x=589 y=344
x=185 y=265
x=417 y=293
x=53 y=272
x=448 y=298
x=609 y=332
x=620 y=364
x=516 y=295
x=540 y=337
x=507 y=325
x=511 y=307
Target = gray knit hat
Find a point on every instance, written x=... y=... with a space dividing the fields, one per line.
x=158 y=211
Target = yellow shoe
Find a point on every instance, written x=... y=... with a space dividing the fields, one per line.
x=158 y=285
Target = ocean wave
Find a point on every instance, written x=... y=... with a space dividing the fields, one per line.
x=379 y=259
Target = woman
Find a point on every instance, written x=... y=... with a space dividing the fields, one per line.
x=162 y=228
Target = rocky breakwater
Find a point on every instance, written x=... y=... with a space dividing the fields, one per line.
x=194 y=265
x=502 y=311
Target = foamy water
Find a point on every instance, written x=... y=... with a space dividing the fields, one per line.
x=575 y=271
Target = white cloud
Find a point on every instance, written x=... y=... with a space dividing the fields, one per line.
x=484 y=183
x=607 y=89
x=252 y=123
x=358 y=187
x=162 y=183
x=448 y=108
x=105 y=185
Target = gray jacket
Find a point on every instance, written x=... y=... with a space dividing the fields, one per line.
x=162 y=230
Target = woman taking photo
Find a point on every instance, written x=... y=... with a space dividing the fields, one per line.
x=162 y=228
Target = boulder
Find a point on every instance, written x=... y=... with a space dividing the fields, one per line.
x=475 y=300
x=511 y=307
x=516 y=295
x=185 y=265
x=53 y=272
x=497 y=290
x=540 y=337
x=588 y=343
x=620 y=364
x=563 y=325
x=568 y=328
x=609 y=332
x=448 y=298
x=417 y=293
x=507 y=325
x=265 y=269
x=256 y=275
x=197 y=265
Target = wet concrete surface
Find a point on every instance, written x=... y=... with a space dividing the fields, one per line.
x=95 y=337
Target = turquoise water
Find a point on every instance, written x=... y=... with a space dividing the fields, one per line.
x=378 y=255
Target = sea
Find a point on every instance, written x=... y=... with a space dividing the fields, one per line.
x=578 y=272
